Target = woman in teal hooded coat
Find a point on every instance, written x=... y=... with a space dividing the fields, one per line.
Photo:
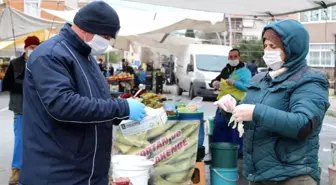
x=283 y=111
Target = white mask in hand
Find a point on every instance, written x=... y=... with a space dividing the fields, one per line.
x=98 y=45
x=273 y=59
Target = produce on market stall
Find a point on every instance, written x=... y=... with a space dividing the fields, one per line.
x=121 y=77
x=172 y=144
x=2 y=75
x=152 y=100
x=121 y=83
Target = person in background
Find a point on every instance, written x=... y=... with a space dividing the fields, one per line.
x=127 y=68
x=102 y=66
x=12 y=82
x=130 y=70
x=142 y=75
x=252 y=67
x=163 y=69
x=234 y=79
x=111 y=70
x=283 y=111
x=69 y=112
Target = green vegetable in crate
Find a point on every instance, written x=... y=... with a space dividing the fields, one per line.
x=183 y=177
x=149 y=95
x=126 y=149
x=188 y=109
x=135 y=140
x=164 y=169
x=155 y=132
x=187 y=153
x=160 y=181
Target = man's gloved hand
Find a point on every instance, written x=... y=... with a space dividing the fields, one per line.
x=136 y=109
x=216 y=84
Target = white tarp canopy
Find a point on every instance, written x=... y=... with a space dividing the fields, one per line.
x=22 y=24
x=168 y=42
x=244 y=7
x=148 y=28
x=135 y=22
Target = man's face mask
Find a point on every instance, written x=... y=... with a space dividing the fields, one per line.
x=98 y=45
x=29 y=50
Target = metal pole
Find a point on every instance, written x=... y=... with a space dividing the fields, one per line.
x=335 y=66
x=13 y=31
x=230 y=29
x=52 y=23
x=219 y=39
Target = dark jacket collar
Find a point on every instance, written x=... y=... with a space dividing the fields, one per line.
x=74 y=40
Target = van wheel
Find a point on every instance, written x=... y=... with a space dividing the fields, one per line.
x=179 y=90
x=191 y=92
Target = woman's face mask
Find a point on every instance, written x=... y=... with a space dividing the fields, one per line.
x=273 y=59
x=273 y=56
x=98 y=45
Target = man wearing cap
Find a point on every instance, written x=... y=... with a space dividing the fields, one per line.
x=12 y=82
x=68 y=129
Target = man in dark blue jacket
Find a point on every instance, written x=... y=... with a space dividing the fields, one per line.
x=67 y=132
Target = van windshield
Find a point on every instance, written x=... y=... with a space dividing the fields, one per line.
x=213 y=63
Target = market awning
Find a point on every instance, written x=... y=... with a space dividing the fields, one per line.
x=23 y=24
x=149 y=29
x=5 y=44
x=163 y=41
x=245 y=7
x=42 y=35
x=136 y=22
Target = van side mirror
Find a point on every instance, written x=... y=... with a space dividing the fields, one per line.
x=190 y=68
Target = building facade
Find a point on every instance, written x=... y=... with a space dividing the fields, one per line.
x=34 y=7
x=321 y=25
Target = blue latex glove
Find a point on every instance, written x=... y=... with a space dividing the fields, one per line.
x=136 y=109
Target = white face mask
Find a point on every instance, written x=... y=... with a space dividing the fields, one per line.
x=273 y=59
x=233 y=62
x=29 y=51
x=98 y=45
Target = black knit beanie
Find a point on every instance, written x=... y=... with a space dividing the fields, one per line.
x=98 y=18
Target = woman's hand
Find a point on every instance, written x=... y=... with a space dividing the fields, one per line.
x=227 y=103
x=244 y=112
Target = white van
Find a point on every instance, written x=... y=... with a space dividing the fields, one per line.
x=197 y=65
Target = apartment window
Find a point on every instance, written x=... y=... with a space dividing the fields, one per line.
x=315 y=15
x=32 y=7
x=306 y=16
x=319 y=15
x=325 y=14
x=321 y=55
x=333 y=13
